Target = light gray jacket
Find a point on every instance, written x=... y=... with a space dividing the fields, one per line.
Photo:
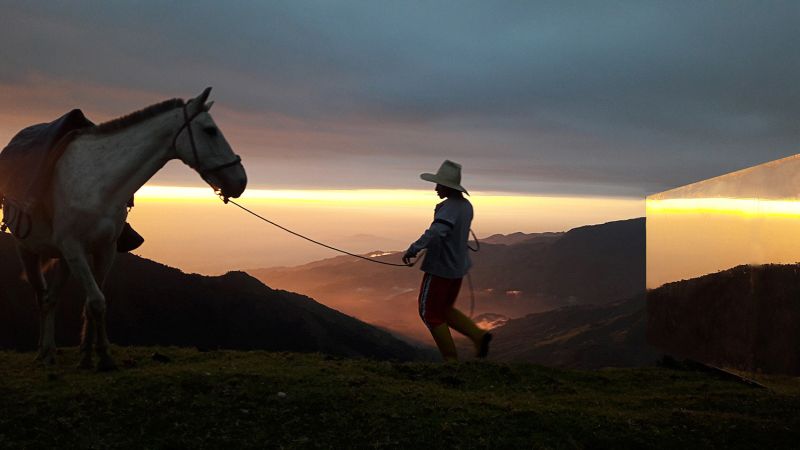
x=446 y=240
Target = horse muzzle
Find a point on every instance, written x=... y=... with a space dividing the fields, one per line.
x=230 y=182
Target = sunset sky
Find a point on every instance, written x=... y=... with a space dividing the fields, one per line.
x=562 y=113
x=750 y=216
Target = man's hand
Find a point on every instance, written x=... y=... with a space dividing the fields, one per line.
x=408 y=257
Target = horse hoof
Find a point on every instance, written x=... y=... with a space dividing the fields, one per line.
x=46 y=358
x=106 y=364
x=85 y=363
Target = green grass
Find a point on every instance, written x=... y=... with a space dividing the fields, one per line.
x=230 y=399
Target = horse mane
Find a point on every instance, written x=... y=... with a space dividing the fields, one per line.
x=134 y=117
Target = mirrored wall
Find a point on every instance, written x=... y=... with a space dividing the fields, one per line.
x=722 y=269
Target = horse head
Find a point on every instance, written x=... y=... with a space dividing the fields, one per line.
x=200 y=144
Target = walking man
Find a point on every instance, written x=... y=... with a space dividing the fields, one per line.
x=446 y=263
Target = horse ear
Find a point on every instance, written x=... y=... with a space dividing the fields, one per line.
x=197 y=104
x=209 y=105
x=204 y=96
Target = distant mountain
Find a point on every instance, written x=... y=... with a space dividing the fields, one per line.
x=588 y=265
x=745 y=317
x=154 y=304
x=585 y=336
x=519 y=237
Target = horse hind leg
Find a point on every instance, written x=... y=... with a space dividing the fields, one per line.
x=33 y=272
x=50 y=304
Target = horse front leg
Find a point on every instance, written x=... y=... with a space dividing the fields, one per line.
x=102 y=265
x=87 y=339
x=95 y=306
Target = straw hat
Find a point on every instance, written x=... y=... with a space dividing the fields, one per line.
x=449 y=174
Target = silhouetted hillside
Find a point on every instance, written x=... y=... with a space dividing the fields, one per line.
x=591 y=264
x=154 y=304
x=745 y=317
x=585 y=336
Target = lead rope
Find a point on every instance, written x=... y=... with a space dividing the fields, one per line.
x=227 y=200
x=469 y=276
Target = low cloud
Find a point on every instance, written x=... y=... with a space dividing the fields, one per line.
x=626 y=98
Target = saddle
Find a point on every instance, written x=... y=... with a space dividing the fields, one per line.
x=26 y=168
x=27 y=163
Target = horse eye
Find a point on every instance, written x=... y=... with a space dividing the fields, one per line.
x=211 y=131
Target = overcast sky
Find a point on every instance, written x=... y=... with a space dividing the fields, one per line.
x=578 y=98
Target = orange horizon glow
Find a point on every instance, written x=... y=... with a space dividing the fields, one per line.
x=692 y=237
x=173 y=219
x=367 y=196
x=191 y=229
x=750 y=207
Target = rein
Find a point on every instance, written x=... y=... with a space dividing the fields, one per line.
x=187 y=124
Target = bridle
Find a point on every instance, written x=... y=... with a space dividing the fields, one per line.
x=187 y=121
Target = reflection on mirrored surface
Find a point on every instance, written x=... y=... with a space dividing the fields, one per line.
x=722 y=272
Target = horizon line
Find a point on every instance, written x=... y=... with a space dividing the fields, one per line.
x=169 y=192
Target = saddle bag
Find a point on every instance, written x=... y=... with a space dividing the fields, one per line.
x=15 y=219
x=129 y=239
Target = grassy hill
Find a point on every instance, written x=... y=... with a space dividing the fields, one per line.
x=227 y=399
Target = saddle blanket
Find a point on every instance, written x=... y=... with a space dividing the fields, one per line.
x=27 y=163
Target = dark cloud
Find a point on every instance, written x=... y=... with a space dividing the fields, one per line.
x=613 y=97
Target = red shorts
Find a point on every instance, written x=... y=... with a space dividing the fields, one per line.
x=436 y=296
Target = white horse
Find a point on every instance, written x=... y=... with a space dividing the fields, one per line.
x=83 y=213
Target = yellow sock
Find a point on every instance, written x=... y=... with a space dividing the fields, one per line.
x=444 y=340
x=464 y=325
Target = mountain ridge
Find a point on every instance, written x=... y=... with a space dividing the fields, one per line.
x=154 y=304
x=744 y=317
x=592 y=264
